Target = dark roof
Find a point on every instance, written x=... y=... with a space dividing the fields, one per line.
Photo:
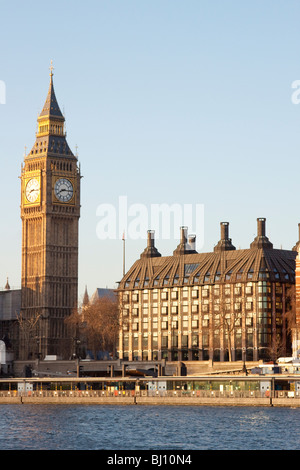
x=216 y=267
x=101 y=292
x=225 y=264
x=52 y=144
x=51 y=107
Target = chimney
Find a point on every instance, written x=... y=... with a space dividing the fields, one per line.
x=224 y=230
x=192 y=242
x=181 y=248
x=261 y=227
x=187 y=243
x=150 y=238
x=225 y=242
x=183 y=235
x=261 y=240
x=150 y=251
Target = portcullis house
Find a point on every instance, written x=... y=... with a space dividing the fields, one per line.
x=230 y=304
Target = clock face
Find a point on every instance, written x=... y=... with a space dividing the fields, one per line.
x=32 y=190
x=63 y=190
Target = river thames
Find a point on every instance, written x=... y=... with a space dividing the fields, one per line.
x=89 y=427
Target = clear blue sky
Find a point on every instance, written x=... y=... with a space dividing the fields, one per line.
x=169 y=101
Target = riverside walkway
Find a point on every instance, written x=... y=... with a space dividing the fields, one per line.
x=192 y=391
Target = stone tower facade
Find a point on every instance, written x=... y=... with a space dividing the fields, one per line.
x=50 y=211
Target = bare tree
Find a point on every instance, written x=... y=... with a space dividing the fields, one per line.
x=277 y=348
x=28 y=331
x=290 y=309
x=74 y=325
x=228 y=320
x=292 y=329
x=97 y=324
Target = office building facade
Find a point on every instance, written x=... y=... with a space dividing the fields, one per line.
x=230 y=304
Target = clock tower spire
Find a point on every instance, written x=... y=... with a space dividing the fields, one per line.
x=50 y=211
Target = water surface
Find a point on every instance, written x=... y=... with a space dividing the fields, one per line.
x=96 y=427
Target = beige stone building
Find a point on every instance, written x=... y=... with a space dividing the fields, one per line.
x=225 y=305
x=10 y=304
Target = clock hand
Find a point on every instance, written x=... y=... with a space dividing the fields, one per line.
x=64 y=189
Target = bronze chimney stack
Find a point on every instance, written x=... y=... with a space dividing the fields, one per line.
x=150 y=251
x=261 y=240
x=225 y=242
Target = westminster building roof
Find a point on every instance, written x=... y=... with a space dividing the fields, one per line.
x=225 y=264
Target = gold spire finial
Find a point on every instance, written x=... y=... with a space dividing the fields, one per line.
x=51 y=68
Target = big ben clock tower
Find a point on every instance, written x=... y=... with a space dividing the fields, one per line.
x=50 y=211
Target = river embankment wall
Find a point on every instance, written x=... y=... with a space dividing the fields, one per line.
x=166 y=401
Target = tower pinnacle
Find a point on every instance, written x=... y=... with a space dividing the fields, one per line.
x=51 y=68
x=51 y=134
